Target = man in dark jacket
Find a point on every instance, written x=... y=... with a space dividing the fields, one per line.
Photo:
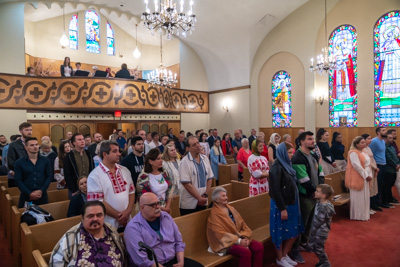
x=309 y=175
x=77 y=163
x=16 y=150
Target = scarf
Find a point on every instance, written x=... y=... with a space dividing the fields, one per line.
x=272 y=139
x=217 y=150
x=222 y=232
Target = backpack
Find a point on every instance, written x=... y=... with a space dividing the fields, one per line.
x=34 y=214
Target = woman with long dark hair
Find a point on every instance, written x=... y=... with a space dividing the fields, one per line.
x=226 y=144
x=217 y=158
x=154 y=179
x=63 y=150
x=66 y=69
x=337 y=150
x=328 y=161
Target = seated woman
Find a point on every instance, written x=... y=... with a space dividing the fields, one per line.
x=226 y=144
x=243 y=156
x=154 y=179
x=217 y=158
x=228 y=233
x=79 y=199
x=171 y=165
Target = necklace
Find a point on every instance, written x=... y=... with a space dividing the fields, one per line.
x=160 y=181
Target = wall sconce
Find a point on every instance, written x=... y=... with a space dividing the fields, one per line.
x=320 y=97
x=226 y=104
x=121 y=55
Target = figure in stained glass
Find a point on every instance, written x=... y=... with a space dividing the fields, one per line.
x=281 y=100
x=92 y=32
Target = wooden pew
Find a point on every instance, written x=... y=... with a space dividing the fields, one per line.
x=32 y=238
x=246 y=175
x=227 y=173
x=58 y=210
x=193 y=228
x=336 y=182
x=175 y=212
x=235 y=190
x=230 y=160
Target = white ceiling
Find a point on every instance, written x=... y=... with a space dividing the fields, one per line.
x=227 y=35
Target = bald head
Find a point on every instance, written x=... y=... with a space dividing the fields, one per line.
x=149 y=206
x=148 y=198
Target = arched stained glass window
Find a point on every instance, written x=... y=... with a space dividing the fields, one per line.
x=387 y=69
x=343 y=77
x=92 y=25
x=73 y=32
x=281 y=100
x=110 y=40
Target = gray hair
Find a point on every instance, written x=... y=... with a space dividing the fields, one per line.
x=215 y=193
x=244 y=140
x=106 y=147
x=286 y=136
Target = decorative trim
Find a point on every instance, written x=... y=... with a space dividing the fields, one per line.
x=41 y=116
x=72 y=93
x=229 y=89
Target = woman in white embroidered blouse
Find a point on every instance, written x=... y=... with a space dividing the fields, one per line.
x=171 y=165
x=154 y=179
x=259 y=170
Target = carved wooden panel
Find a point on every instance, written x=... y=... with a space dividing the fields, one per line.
x=72 y=93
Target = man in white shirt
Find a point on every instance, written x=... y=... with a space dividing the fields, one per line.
x=196 y=177
x=112 y=184
x=156 y=140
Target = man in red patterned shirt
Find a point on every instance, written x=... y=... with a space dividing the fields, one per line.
x=112 y=184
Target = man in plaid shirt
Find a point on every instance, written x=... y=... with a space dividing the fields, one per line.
x=112 y=184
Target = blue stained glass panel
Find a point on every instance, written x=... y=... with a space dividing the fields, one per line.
x=281 y=100
x=110 y=40
x=92 y=25
x=73 y=32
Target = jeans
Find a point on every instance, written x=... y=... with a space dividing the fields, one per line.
x=381 y=177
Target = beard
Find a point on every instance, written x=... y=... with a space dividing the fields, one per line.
x=311 y=147
x=394 y=138
x=384 y=135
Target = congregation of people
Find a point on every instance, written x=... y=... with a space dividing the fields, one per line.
x=108 y=179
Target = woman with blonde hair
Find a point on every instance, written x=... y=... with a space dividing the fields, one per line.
x=358 y=175
x=171 y=165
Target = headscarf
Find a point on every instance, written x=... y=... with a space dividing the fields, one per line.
x=283 y=157
x=254 y=149
x=272 y=139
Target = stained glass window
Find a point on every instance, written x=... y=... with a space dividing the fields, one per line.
x=343 y=77
x=73 y=32
x=387 y=69
x=281 y=100
x=110 y=40
x=92 y=32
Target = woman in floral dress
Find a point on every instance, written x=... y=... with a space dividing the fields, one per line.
x=259 y=170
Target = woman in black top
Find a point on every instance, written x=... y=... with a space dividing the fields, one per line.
x=79 y=199
x=328 y=161
x=337 y=150
x=66 y=69
x=285 y=216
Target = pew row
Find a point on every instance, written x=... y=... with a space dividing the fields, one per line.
x=336 y=181
x=227 y=173
x=58 y=211
x=192 y=227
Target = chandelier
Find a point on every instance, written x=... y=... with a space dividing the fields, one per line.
x=64 y=39
x=162 y=76
x=166 y=16
x=324 y=63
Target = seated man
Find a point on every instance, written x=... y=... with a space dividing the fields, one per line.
x=89 y=243
x=158 y=230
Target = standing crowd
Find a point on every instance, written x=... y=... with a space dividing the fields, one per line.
x=108 y=179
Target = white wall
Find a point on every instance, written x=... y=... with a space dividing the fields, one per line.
x=12 y=56
x=10 y=126
x=192 y=71
x=190 y=122
x=236 y=117
x=42 y=40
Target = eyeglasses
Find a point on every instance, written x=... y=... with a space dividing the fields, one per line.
x=154 y=205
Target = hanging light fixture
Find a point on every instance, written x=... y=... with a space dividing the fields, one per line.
x=324 y=63
x=136 y=52
x=64 y=41
x=162 y=76
x=166 y=16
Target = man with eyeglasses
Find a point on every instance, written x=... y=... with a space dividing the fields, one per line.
x=157 y=230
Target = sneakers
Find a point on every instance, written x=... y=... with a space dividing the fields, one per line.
x=394 y=203
x=296 y=256
x=376 y=208
x=290 y=261
x=372 y=212
x=283 y=262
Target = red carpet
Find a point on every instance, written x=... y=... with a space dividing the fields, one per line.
x=355 y=243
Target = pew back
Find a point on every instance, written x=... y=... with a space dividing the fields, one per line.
x=337 y=183
x=227 y=173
